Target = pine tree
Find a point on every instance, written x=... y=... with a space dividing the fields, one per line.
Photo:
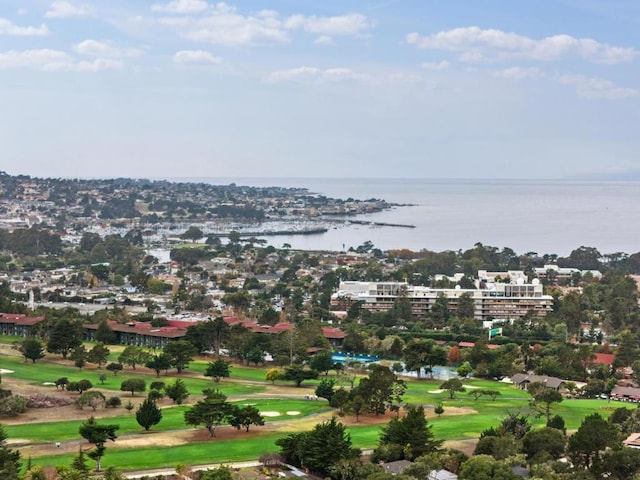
x=411 y=436
x=9 y=460
x=80 y=462
x=148 y=414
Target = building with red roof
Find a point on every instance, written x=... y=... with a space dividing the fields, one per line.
x=18 y=324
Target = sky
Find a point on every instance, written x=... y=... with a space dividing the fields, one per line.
x=309 y=88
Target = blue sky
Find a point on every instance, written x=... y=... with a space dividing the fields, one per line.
x=422 y=88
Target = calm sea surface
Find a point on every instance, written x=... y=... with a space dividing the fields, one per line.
x=528 y=216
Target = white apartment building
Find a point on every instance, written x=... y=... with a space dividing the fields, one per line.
x=501 y=301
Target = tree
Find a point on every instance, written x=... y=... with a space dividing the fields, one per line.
x=543 y=443
x=319 y=449
x=245 y=417
x=622 y=464
x=593 y=436
x=98 y=354
x=158 y=363
x=298 y=374
x=91 y=399
x=9 y=459
x=157 y=385
x=272 y=375
x=177 y=391
x=424 y=353
x=466 y=306
x=452 y=386
x=32 y=349
x=356 y=406
x=98 y=435
x=464 y=370
x=545 y=395
x=380 y=389
x=79 y=463
x=485 y=467
x=322 y=362
x=112 y=474
x=208 y=335
x=211 y=412
x=133 y=385
x=148 y=414
x=61 y=383
x=220 y=473
x=64 y=337
x=79 y=386
x=192 y=233
x=104 y=333
x=114 y=367
x=133 y=355
x=79 y=356
x=113 y=402
x=12 y=405
x=325 y=388
x=411 y=435
x=453 y=355
x=217 y=370
x=439 y=409
x=180 y=353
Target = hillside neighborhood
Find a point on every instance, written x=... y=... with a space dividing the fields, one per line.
x=138 y=279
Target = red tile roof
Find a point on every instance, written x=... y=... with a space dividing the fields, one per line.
x=19 y=319
x=604 y=358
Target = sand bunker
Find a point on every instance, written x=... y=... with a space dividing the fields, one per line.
x=293 y=412
x=3 y=371
x=270 y=414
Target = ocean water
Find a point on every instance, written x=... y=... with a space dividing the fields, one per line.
x=540 y=216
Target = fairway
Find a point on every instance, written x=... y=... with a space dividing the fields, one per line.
x=463 y=418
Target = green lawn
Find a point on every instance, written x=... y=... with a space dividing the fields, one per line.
x=211 y=451
x=476 y=416
x=172 y=419
x=43 y=371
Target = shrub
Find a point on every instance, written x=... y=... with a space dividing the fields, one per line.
x=62 y=382
x=113 y=402
x=39 y=400
x=12 y=406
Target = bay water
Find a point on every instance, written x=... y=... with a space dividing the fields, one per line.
x=543 y=216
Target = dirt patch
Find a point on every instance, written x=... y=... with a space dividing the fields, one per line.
x=450 y=411
x=68 y=412
x=465 y=446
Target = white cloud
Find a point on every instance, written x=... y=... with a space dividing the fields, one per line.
x=196 y=57
x=597 y=88
x=222 y=24
x=318 y=75
x=53 y=60
x=63 y=9
x=476 y=44
x=9 y=28
x=325 y=40
x=43 y=59
x=96 y=48
x=517 y=73
x=181 y=6
x=350 y=24
x=443 y=65
x=98 y=65
x=315 y=75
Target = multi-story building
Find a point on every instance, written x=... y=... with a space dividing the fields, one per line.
x=499 y=301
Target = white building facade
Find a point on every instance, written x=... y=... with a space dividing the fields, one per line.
x=498 y=301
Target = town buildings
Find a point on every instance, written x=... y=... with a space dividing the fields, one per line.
x=491 y=301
